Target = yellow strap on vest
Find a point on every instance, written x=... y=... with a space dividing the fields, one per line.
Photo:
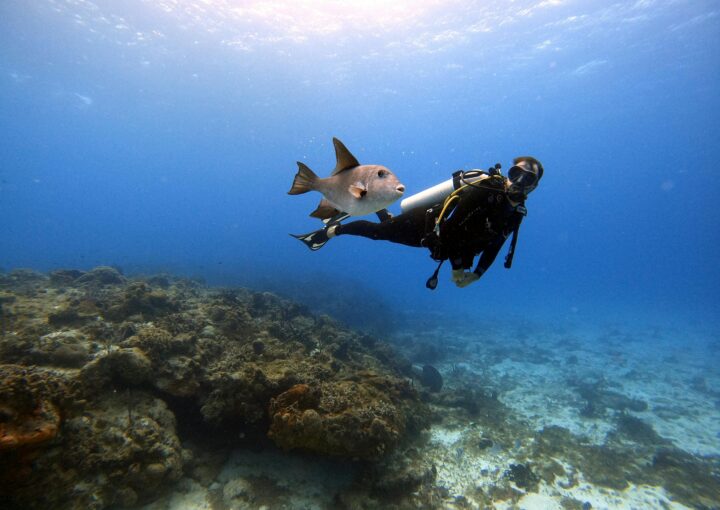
x=456 y=195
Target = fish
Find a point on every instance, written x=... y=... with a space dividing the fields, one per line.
x=352 y=189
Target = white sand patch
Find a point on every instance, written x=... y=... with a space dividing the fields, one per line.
x=632 y=498
x=445 y=437
x=535 y=501
x=188 y=495
x=673 y=376
x=462 y=475
x=465 y=474
x=458 y=471
x=646 y=365
x=543 y=398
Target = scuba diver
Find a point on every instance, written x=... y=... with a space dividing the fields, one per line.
x=469 y=215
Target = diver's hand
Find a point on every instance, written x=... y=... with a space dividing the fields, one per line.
x=463 y=278
x=468 y=279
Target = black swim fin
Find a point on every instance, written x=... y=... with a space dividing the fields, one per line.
x=314 y=240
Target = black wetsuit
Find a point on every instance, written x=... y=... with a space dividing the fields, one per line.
x=480 y=222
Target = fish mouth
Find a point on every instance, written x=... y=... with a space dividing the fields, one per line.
x=400 y=189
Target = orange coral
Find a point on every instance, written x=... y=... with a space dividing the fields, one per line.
x=31 y=429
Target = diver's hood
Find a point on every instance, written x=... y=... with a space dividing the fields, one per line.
x=524 y=175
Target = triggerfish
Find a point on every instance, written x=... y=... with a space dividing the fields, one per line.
x=352 y=188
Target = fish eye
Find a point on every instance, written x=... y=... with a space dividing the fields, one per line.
x=382 y=173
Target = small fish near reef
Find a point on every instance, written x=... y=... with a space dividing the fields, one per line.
x=352 y=188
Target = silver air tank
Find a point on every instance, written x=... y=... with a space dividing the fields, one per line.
x=439 y=192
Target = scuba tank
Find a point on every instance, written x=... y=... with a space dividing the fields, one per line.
x=438 y=193
x=444 y=194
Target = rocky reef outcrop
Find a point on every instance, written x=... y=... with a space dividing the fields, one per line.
x=363 y=418
x=101 y=372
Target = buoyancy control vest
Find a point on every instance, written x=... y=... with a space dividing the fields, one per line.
x=468 y=217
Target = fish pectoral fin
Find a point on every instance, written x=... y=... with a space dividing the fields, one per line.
x=325 y=210
x=345 y=159
x=357 y=190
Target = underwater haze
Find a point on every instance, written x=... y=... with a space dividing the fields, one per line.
x=161 y=137
x=164 y=135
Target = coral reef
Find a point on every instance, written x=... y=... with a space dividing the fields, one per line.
x=100 y=372
x=361 y=419
x=28 y=420
x=122 y=392
x=66 y=444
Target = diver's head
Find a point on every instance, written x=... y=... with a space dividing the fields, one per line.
x=524 y=177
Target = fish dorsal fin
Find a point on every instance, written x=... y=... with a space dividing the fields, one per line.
x=345 y=160
x=325 y=209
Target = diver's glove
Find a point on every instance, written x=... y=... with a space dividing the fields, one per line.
x=463 y=278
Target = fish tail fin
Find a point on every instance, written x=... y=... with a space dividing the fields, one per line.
x=304 y=180
x=314 y=240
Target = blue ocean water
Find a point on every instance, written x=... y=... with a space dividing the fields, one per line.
x=163 y=135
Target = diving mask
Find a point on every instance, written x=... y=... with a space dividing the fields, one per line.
x=525 y=175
